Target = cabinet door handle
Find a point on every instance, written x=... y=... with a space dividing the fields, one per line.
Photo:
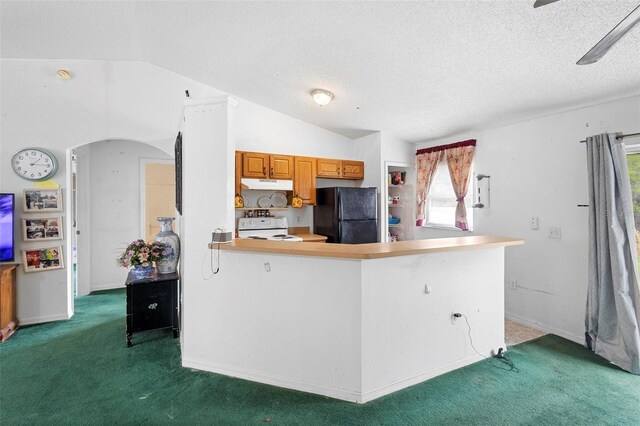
x=264 y=171
x=272 y=171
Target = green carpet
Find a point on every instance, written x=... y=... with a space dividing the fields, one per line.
x=80 y=372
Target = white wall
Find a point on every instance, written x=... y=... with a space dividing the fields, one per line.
x=108 y=100
x=375 y=150
x=115 y=202
x=397 y=150
x=538 y=168
x=104 y=100
x=262 y=130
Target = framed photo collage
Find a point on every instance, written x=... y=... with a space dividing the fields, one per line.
x=42 y=223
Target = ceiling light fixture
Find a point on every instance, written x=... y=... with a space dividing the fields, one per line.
x=63 y=74
x=322 y=97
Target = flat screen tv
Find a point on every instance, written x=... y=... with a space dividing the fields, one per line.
x=7 y=219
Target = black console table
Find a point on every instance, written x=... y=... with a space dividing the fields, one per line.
x=152 y=303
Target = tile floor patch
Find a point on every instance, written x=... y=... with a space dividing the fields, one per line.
x=515 y=333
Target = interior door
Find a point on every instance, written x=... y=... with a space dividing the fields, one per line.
x=159 y=193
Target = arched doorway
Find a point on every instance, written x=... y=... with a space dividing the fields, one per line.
x=106 y=209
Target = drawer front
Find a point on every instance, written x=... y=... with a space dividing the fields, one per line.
x=151 y=306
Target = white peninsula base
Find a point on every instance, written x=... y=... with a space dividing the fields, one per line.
x=352 y=329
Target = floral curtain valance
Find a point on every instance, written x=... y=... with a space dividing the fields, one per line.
x=468 y=142
x=459 y=157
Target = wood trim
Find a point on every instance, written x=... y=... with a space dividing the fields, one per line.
x=238 y=183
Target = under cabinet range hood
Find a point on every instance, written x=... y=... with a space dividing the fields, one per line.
x=268 y=184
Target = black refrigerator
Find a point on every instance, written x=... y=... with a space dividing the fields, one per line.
x=346 y=215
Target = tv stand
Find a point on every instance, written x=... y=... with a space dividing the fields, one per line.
x=8 y=319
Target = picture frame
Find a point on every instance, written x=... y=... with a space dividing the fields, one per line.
x=42 y=259
x=42 y=228
x=42 y=200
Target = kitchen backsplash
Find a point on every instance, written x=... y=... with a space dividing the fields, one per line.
x=295 y=217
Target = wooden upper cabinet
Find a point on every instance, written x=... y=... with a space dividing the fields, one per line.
x=280 y=166
x=304 y=181
x=329 y=168
x=352 y=169
x=340 y=169
x=255 y=165
x=262 y=166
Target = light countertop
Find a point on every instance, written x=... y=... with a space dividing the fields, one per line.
x=312 y=237
x=368 y=251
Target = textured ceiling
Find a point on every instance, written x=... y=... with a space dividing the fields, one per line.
x=418 y=70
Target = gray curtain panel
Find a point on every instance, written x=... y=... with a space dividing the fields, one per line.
x=613 y=299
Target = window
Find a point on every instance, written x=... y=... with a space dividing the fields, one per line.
x=441 y=202
x=633 y=162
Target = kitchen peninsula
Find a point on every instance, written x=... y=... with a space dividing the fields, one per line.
x=354 y=322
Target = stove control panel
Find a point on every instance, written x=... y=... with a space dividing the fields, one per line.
x=262 y=223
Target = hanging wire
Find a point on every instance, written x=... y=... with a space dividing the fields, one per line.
x=502 y=356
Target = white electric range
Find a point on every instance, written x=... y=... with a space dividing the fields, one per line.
x=265 y=228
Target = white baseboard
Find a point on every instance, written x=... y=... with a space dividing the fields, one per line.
x=106 y=287
x=283 y=382
x=419 y=378
x=545 y=327
x=39 y=320
x=342 y=394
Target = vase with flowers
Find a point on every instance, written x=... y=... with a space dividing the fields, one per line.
x=141 y=255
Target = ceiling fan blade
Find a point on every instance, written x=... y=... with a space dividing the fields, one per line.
x=603 y=46
x=539 y=3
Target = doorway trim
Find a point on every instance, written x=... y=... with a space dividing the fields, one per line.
x=68 y=205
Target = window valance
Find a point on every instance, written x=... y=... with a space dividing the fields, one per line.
x=468 y=142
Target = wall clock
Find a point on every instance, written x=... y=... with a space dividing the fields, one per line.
x=34 y=164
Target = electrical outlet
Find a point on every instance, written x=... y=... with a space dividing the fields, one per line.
x=533 y=222
x=298 y=218
x=513 y=284
x=554 y=232
x=267 y=266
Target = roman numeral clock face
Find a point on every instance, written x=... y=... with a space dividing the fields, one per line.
x=34 y=164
